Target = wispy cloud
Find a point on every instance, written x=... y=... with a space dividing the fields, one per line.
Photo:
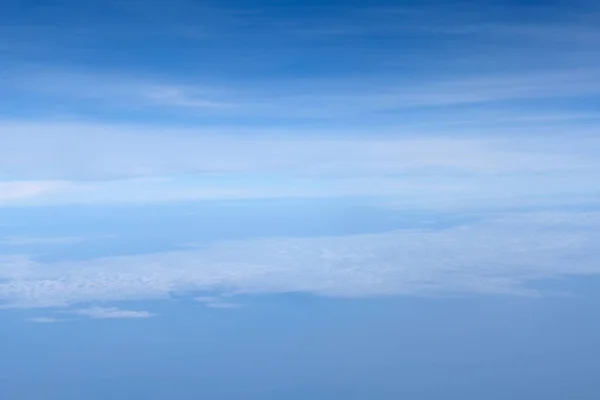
x=36 y=150
x=114 y=90
x=470 y=21
x=457 y=90
x=510 y=253
x=112 y=313
x=44 y=320
x=315 y=97
x=559 y=43
x=44 y=241
x=217 y=302
x=410 y=190
x=118 y=163
x=16 y=190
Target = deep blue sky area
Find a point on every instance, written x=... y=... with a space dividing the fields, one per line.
x=297 y=200
x=296 y=347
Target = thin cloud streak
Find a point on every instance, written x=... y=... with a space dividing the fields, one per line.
x=41 y=241
x=44 y=320
x=308 y=98
x=17 y=190
x=115 y=90
x=112 y=313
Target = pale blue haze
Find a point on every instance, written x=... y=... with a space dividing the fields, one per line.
x=299 y=200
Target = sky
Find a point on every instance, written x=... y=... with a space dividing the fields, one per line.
x=299 y=199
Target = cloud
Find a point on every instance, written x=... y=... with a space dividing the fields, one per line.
x=114 y=90
x=112 y=313
x=71 y=151
x=316 y=97
x=17 y=190
x=44 y=320
x=498 y=49
x=466 y=92
x=471 y=154
x=409 y=190
x=223 y=305
x=137 y=164
x=43 y=241
x=573 y=27
x=509 y=254
x=216 y=302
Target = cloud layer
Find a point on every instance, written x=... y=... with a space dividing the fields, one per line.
x=87 y=151
x=498 y=256
x=68 y=163
x=17 y=190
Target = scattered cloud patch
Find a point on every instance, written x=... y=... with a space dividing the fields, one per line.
x=223 y=305
x=217 y=302
x=44 y=320
x=112 y=313
x=43 y=241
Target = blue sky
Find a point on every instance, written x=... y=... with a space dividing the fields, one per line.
x=119 y=101
x=298 y=199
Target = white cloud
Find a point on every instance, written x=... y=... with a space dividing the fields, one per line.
x=17 y=190
x=216 y=302
x=411 y=190
x=44 y=241
x=112 y=313
x=87 y=151
x=223 y=305
x=158 y=165
x=44 y=320
x=471 y=161
x=498 y=256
